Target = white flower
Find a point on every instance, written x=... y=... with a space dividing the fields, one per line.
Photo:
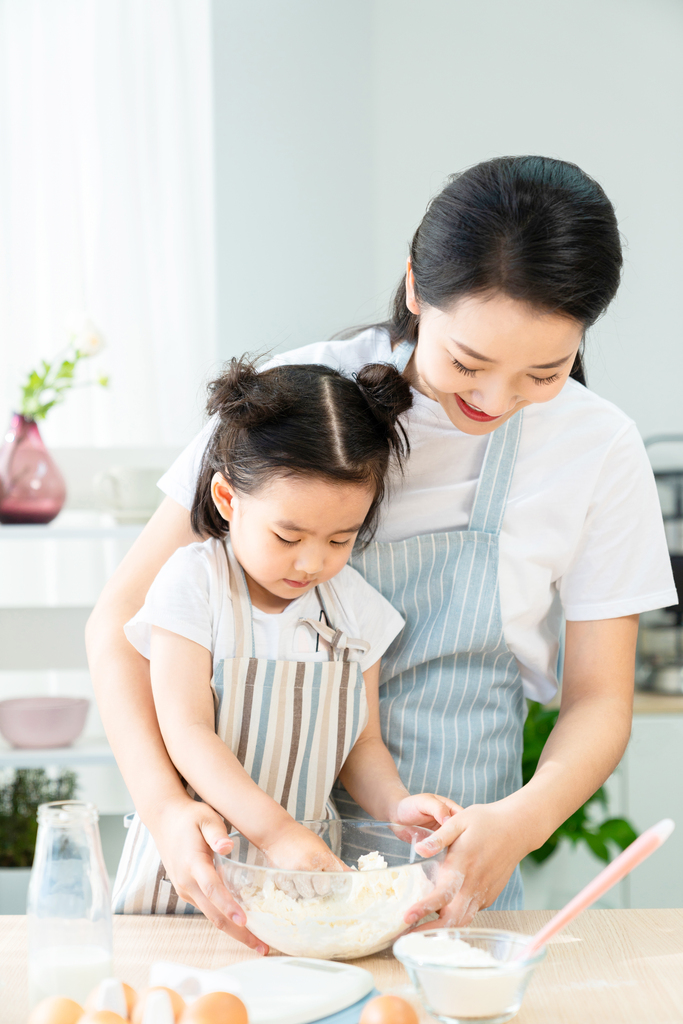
x=86 y=338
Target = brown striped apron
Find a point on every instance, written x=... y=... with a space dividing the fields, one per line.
x=291 y=724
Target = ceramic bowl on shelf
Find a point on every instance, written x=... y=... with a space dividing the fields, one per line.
x=332 y=915
x=464 y=975
x=43 y=722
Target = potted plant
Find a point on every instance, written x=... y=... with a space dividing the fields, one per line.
x=588 y=829
x=32 y=490
x=22 y=790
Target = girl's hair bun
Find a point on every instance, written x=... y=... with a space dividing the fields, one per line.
x=385 y=388
x=244 y=396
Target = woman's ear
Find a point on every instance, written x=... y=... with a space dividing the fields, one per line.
x=411 y=299
x=223 y=496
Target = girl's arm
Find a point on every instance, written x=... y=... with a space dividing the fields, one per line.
x=371 y=777
x=181 y=676
x=185 y=832
x=584 y=748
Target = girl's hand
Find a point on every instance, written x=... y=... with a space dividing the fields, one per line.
x=296 y=848
x=427 y=810
x=190 y=832
x=485 y=844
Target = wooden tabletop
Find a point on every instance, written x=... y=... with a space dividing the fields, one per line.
x=609 y=967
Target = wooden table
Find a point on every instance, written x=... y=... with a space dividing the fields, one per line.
x=610 y=967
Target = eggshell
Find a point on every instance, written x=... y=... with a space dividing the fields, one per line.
x=56 y=1010
x=98 y=996
x=102 y=1017
x=216 y=1008
x=388 y=1010
x=177 y=1002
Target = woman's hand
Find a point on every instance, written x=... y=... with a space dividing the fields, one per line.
x=485 y=845
x=186 y=838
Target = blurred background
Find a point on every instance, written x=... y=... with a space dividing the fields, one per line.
x=198 y=178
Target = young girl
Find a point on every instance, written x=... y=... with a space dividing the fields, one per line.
x=264 y=645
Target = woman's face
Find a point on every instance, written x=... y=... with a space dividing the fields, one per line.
x=486 y=358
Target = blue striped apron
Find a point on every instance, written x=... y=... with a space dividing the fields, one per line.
x=291 y=725
x=451 y=701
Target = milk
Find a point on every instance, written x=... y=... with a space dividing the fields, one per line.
x=71 y=971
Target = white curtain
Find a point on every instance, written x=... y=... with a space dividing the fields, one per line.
x=106 y=207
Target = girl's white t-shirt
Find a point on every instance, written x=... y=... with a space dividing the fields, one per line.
x=191 y=596
x=582 y=534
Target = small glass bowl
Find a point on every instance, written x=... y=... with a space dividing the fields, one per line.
x=333 y=915
x=459 y=994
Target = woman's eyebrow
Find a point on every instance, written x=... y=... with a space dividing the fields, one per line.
x=487 y=359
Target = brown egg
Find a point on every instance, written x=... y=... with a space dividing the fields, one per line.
x=216 y=1008
x=97 y=997
x=388 y=1010
x=102 y=1017
x=177 y=1002
x=56 y=1010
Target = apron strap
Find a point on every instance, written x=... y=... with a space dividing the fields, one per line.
x=340 y=643
x=400 y=356
x=241 y=604
x=496 y=475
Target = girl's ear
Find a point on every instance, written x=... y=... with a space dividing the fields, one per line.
x=223 y=496
x=411 y=299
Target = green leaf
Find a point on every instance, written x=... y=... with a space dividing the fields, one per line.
x=619 y=831
x=597 y=845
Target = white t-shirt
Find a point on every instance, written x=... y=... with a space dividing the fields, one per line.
x=191 y=596
x=582 y=532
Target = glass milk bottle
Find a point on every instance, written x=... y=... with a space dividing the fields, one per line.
x=69 y=912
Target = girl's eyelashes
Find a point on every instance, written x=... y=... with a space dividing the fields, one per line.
x=289 y=543
x=341 y=543
x=463 y=369
x=545 y=380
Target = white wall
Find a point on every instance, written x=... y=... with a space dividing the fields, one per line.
x=294 y=196
x=598 y=82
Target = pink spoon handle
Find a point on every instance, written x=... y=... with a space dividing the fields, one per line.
x=633 y=855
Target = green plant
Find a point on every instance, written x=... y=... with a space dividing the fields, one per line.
x=48 y=385
x=20 y=797
x=579 y=826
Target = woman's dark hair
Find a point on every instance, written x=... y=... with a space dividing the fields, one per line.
x=305 y=420
x=538 y=230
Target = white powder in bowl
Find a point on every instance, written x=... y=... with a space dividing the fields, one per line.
x=478 y=986
x=361 y=914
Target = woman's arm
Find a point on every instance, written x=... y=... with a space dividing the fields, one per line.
x=371 y=777
x=181 y=676
x=584 y=748
x=185 y=831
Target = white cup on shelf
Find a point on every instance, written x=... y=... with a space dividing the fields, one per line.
x=129 y=493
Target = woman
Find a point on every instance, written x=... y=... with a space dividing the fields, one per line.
x=526 y=498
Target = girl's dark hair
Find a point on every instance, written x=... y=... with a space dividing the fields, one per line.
x=301 y=420
x=539 y=230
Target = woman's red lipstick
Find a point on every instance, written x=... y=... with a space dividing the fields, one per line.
x=474 y=414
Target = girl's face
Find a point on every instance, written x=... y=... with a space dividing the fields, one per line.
x=291 y=534
x=487 y=358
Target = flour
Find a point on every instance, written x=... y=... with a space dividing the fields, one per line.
x=478 y=987
x=362 y=913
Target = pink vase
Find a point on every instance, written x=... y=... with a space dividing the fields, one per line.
x=32 y=490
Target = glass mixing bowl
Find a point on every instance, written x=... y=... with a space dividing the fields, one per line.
x=334 y=915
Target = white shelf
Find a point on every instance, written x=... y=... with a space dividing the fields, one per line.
x=74 y=525
x=82 y=752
